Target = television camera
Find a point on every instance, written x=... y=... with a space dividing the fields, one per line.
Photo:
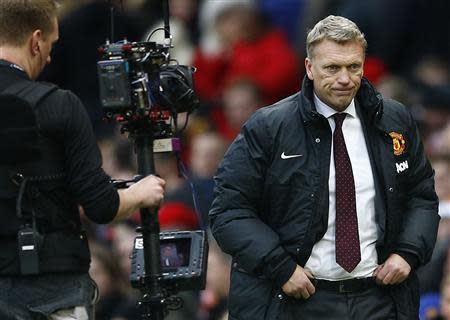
x=140 y=86
x=144 y=91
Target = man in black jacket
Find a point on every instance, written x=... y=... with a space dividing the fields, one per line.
x=44 y=257
x=326 y=199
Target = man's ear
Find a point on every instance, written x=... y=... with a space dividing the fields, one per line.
x=308 y=67
x=36 y=37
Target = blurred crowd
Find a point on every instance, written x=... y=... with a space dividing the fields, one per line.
x=248 y=54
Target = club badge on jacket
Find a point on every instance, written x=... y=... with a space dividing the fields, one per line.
x=398 y=143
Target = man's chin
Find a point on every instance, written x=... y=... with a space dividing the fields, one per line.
x=341 y=104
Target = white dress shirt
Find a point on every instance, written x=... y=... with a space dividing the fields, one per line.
x=322 y=262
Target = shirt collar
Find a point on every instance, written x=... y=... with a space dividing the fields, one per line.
x=328 y=112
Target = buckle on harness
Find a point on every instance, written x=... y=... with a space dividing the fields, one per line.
x=17 y=178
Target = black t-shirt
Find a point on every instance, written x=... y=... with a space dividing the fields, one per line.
x=63 y=121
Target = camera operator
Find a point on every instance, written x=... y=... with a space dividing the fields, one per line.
x=59 y=287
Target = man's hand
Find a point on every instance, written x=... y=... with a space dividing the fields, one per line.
x=299 y=285
x=393 y=271
x=146 y=193
x=149 y=191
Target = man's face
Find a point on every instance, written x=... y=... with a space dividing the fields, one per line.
x=336 y=70
x=46 y=43
x=239 y=104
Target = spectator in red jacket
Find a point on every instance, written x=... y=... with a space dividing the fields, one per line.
x=250 y=49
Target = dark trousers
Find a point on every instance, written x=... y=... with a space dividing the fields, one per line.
x=38 y=297
x=371 y=304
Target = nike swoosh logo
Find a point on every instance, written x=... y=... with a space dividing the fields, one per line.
x=283 y=156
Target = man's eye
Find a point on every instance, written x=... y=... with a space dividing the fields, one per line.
x=332 y=68
x=355 y=67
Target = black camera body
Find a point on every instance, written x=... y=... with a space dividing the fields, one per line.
x=138 y=82
x=184 y=256
x=125 y=73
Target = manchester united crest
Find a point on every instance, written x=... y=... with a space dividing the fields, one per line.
x=398 y=142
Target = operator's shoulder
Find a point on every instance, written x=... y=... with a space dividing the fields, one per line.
x=59 y=96
x=59 y=92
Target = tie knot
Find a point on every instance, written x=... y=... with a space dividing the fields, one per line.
x=339 y=118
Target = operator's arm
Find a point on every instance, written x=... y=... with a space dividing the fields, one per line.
x=87 y=183
x=146 y=193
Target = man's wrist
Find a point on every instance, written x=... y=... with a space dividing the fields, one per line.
x=128 y=204
x=284 y=272
x=410 y=258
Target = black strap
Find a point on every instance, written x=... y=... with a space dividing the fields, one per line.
x=31 y=92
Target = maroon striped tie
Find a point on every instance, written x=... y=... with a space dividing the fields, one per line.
x=348 y=253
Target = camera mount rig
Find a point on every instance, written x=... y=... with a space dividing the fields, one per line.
x=144 y=91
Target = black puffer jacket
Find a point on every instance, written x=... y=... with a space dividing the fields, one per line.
x=268 y=211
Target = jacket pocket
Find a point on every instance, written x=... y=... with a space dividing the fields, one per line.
x=406 y=298
x=249 y=296
x=278 y=308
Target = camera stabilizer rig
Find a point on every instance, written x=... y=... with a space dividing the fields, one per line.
x=144 y=90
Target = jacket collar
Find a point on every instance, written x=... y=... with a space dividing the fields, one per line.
x=11 y=68
x=368 y=98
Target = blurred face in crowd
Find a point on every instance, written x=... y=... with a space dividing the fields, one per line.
x=239 y=104
x=207 y=151
x=445 y=301
x=336 y=70
x=240 y=22
x=230 y=28
x=183 y=9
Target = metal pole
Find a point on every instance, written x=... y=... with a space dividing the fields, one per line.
x=153 y=299
x=166 y=15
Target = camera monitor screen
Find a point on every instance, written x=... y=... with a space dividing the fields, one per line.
x=183 y=255
x=175 y=253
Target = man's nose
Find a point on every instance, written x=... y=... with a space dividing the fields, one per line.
x=344 y=76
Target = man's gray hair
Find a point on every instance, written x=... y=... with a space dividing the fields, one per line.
x=334 y=28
